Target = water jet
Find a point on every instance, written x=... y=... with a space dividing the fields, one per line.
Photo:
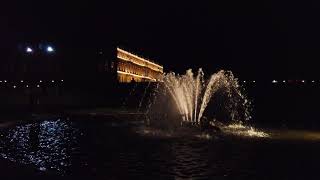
x=189 y=100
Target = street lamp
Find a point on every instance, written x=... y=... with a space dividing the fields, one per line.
x=50 y=49
x=29 y=50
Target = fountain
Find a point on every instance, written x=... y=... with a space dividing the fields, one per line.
x=184 y=99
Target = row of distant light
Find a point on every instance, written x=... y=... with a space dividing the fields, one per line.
x=284 y=81
x=38 y=85
x=23 y=81
x=49 y=49
x=14 y=86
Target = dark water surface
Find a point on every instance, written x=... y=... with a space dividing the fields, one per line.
x=107 y=149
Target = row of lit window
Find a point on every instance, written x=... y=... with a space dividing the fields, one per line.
x=125 y=67
x=135 y=61
x=131 y=69
x=154 y=66
x=128 y=79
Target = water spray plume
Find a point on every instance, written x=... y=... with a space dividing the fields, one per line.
x=191 y=95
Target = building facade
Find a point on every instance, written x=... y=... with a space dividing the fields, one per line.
x=132 y=68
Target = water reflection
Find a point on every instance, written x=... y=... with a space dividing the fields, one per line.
x=114 y=151
x=45 y=144
x=189 y=161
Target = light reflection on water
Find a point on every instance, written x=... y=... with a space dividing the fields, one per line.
x=111 y=150
x=46 y=145
x=242 y=130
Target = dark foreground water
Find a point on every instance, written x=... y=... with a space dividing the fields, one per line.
x=110 y=149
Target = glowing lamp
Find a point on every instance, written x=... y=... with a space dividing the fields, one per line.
x=29 y=50
x=50 y=49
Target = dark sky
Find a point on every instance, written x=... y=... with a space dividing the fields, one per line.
x=255 y=39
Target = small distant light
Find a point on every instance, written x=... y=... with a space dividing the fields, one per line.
x=52 y=81
x=61 y=80
x=29 y=50
x=312 y=81
x=302 y=81
x=5 y=81
x=14 y=86
x=274 y=81
x=253 y=81
x=284 y=81
x=50 y=49
x=0 y=81
x=38 y=85
x=21 y=81
x=244 y=81
x=40 y=81
x=27 y=86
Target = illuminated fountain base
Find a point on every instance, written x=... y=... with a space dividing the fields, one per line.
x=208 y=133
x=190 y=101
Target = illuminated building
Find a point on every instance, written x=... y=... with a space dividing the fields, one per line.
x=72 y=74
x=37 y=62
x=132 y=68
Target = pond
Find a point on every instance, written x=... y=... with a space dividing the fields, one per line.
x=113 y=149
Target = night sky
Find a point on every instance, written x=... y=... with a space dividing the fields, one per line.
x=255 y=39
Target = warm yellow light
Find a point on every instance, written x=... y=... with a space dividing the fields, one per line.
x=135 y=75
x=136 y=67
x=130 y=54
x=137 y=63
x=242 y=130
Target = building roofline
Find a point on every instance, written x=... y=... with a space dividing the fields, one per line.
x=138 y=57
